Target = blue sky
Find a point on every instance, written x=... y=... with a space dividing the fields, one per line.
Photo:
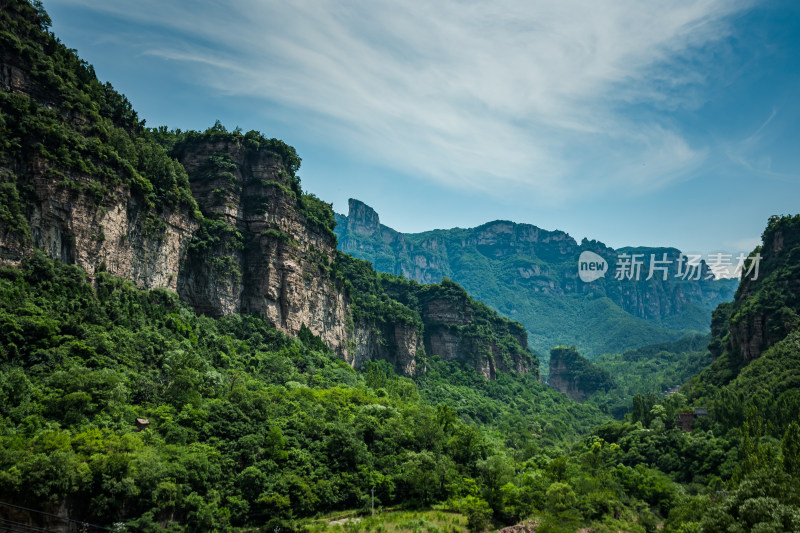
x=669 y=123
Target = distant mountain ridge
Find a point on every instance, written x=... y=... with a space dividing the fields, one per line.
x=531 y=275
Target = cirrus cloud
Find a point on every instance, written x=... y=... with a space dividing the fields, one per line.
x=551 y=98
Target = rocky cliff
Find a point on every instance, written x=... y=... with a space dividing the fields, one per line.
x=217 y=216
x=531 y=275
x=71 y=169
x=576 y=376
x=362 y=235
x=403 y=322
x=766 y=308
x=260 y=249
x=459 y=328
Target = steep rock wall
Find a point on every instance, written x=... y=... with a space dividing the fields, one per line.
x=112 y=234
x=226 y=225
x=267 y=258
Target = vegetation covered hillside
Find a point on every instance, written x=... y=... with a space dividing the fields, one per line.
x=248 y=427
x=651 y=369
x=129 y=406
x=755 y=346
x=751 y=392
x=245 y=425
x=60 y=124
x=531 y=275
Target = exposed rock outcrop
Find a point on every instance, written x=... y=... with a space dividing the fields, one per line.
x=261 y=254
x=217 y=216
x=551 y=270
x=458 y=328
x=576 y=376
x=399 y=344
x=767 y=306
x=763 y=319
x=111 y=234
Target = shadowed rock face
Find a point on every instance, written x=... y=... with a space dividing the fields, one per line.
x=270 y=261
x=766 y=309
x=576 y=376
x=458 y=328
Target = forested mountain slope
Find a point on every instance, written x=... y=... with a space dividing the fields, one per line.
x=531 y=275
x=182 y=348
x=218 y=216
x=755 y=338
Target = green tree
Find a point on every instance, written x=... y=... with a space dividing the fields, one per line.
x=790 y=448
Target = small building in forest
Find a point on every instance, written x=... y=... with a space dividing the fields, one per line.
x=686 y=417
x=684 y=420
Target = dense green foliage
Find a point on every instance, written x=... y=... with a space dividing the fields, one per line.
x=83 y=133
x=757 y=340
x=245 y=423
x=369 y=302
x=249 y=426
x=650 y=369
x=517 y=406
x=419 y=296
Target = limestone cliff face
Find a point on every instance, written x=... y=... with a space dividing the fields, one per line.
x=67 y=212
x=71 y=227
x=398 y=344
x=266 y=257
x=113 y=234
x=543 y=262
x=365 y=221
x=766 y=309
x=561 y=379
x=526 y=271
x=458 y=328
x=127 y=210
x=255 y=250
x=362 y=235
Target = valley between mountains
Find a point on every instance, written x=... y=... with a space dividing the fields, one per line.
x=190 y=341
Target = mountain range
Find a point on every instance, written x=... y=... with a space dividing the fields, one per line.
x=531 y=275
x=184 y=348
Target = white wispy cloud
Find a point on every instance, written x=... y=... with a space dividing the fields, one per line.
x=749 y=154
x=547 y=98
